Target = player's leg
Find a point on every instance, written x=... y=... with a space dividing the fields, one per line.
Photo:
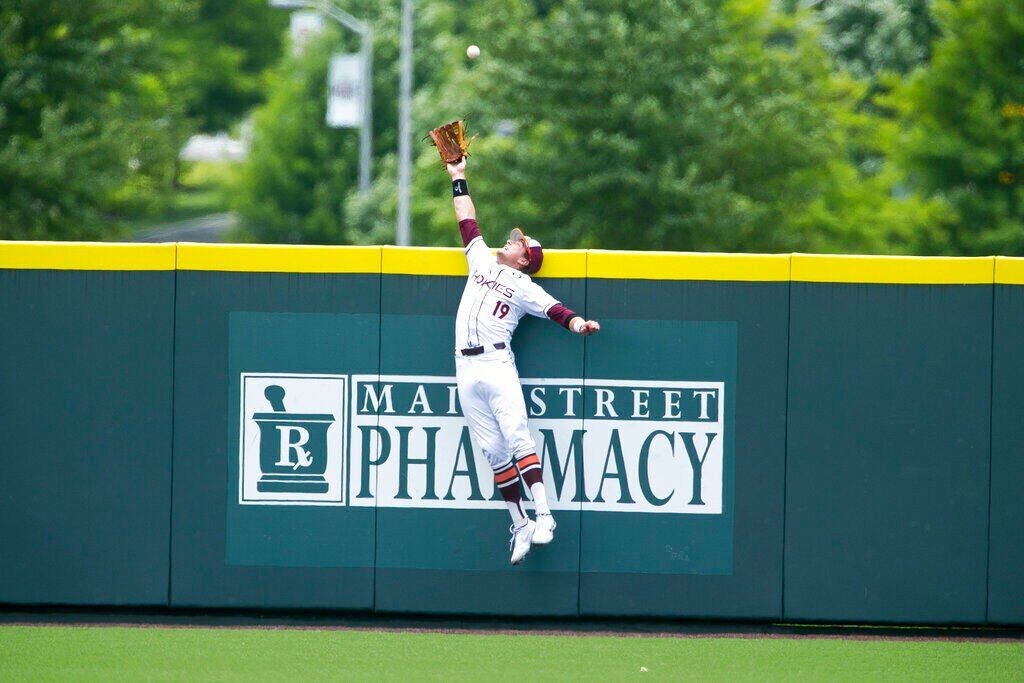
x=533 y=476
x=508 y=406
x=485 y=430
x=506 y=478
x=473 y=394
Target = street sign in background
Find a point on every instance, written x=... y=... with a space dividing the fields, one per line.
x=345 y=91
x=304 y=26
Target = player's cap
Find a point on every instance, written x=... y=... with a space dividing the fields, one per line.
x=534 y=252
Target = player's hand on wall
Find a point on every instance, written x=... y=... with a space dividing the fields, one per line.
x=589 y=327
x=457 y=170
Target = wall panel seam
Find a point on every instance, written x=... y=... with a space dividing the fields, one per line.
x=583 y=379
x=991 y=440
x=174 y=358
x=376 y=499
x=785 y=439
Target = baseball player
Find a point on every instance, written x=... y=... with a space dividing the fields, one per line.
x=499 y=292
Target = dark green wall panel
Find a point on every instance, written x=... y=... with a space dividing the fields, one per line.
x=85 y=410
x=704 y=565
x=457 y=560
x=225 y=553
x=1006 y=537
x=888 y=456
x=871 y=465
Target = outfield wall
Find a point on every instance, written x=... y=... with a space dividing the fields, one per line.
x=823 y=438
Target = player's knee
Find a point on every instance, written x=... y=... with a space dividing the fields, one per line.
x=501 y=463
x=520 y=448
x=497 y=456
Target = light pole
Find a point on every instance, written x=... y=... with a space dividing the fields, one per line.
x=365 y=32
x=402 y=230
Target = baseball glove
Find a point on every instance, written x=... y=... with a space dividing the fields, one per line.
x=450 y=140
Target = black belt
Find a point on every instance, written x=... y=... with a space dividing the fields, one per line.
x=477 y=350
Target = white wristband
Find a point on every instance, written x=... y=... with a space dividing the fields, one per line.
x=577 y=325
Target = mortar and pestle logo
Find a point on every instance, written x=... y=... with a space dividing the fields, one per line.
x=293 y=447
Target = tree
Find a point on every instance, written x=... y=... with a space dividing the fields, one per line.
x=298 y=170
x=867 y=37
x=223 y=49
x=300 y=183
x=89 y=122
x=665 y=125
x=705 y=125
x=962 y=139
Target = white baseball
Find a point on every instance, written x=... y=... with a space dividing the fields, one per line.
x=472 y=51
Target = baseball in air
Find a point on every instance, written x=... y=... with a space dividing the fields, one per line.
x=472 y=51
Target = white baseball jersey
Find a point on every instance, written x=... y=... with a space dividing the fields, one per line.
x=495 y=299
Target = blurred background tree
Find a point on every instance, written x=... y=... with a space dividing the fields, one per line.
x=299 y=170
x=90 y=123
x=734 y=139
x=962 y=128
x=97 y=98
x=224 y=49
x=301 y=180
x=868 y=37
x=739 y=125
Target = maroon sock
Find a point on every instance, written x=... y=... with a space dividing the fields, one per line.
x=507 y=480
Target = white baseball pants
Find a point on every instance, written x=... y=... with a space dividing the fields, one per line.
x=492 y=402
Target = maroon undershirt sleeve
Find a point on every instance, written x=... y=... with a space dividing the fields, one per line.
x=561 y=315
x=469 y=230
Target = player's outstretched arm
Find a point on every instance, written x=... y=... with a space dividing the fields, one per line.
x=536 y=301
x=555 y=311
x=464 y=208
x=465 y=213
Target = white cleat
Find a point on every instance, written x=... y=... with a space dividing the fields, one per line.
x=520 y=543
x=545 y=532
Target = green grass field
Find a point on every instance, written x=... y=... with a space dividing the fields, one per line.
x=155 y=653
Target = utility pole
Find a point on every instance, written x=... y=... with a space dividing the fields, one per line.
x=403 y=235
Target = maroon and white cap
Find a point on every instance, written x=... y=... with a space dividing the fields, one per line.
x=534 y=252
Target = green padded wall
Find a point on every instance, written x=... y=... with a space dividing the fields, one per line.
x=888 y=452
x=226 y=553
x=85 y=410
x=720 y=565
x=1006 y=537
x=813 y=450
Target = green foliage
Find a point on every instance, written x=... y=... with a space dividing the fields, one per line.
x=98 y=96
x=300 y=183
x=223 y=48
x=962 y=140
x=694 y=130
x=90 y=124
x=654 y=124
x=867 y=37
x=299 y=170
x=594 y=133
